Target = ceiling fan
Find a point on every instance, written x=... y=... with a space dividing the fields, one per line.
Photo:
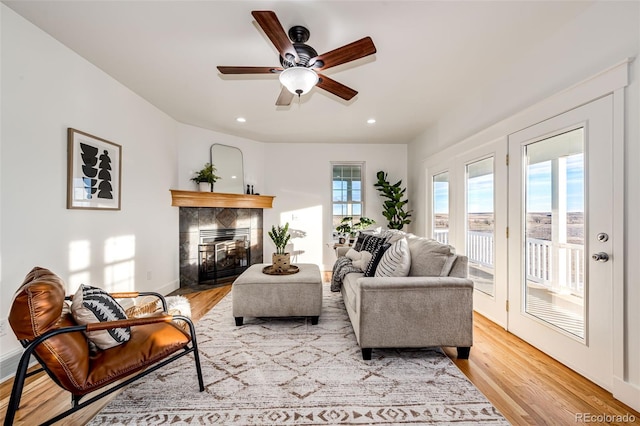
x=300 y=63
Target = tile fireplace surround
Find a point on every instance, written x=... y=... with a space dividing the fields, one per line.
x=212 y=211
x=194 y=219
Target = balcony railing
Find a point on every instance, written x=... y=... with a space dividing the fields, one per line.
x=557 y=267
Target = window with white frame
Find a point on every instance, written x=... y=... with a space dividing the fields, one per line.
x=347 y=186
x=440 y=207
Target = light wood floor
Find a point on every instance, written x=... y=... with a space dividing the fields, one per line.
x=527 y=386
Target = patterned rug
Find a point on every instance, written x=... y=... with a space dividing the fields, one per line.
x=286 y=371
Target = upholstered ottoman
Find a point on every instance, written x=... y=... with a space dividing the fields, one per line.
x=256 y=294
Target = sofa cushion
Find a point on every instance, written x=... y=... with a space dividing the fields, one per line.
x=429 y=258
x=91 y=305
x=375 y=259
x=396 y=260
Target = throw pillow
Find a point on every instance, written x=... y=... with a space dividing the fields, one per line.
x=362 y=234
x=91 y=305
x=359 y=259
x=363 y=262
x=396 y=260
x=370 y=243
x=375 y=259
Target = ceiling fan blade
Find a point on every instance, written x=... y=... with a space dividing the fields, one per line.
x=272 y=27
x=285 y=97
x=336 y=88
x=347 y=53
x=249 y=70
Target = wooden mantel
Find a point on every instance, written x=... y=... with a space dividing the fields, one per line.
x=217 y=199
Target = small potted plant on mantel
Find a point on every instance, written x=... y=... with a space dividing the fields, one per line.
x=280 y=237
x=349 y=229
x=206 y=177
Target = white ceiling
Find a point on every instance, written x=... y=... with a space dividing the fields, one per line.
x=430 y=55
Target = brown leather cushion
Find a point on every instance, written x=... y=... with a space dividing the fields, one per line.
x=38 y=303
x=148 y=344
x=38 y=308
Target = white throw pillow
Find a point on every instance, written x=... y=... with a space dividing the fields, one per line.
x=352 y=254
x=363 y=262
x=359 y=259
x=91 y=305
x=396 y=261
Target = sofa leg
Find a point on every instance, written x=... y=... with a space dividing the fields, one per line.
x=463 y=352
x=366 y=354
x=314 y=320
x=239 y=321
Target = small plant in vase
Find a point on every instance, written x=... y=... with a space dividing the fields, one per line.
x=206 y=177
x=350 y=229
x=280 y=237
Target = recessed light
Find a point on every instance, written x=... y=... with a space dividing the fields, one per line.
x=371 y=121
x=241 y=120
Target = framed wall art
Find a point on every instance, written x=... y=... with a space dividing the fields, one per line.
x=93 y=172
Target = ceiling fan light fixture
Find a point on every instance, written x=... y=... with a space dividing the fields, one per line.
x=298 y=80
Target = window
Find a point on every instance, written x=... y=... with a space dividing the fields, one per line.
x=481 y=224
x=441 y=207
x=347 y=191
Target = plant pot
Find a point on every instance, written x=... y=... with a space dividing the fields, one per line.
x=205 y=187
x=281 y=262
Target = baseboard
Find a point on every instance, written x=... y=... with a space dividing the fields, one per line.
x=627 y=393
x=9 y=364
x=168 y=288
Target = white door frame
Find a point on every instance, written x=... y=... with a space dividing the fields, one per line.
x=612 y=80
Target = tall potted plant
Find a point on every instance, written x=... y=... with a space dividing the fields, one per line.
x=280 y=237
x=394 y=207
x=206 y=177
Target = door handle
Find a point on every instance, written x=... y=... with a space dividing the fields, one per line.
x=600 y=257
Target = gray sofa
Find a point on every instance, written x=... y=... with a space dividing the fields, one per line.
x=432 y=306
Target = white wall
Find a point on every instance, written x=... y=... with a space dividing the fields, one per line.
x=194 y=144
x=299 y=175
x=606 y=33
x=47 y=88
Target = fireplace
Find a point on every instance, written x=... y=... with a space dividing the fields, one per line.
x=232 y=235
x=223 y=253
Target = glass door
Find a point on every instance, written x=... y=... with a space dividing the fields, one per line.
x=481 y=224
x=560 y=242
x=554 y=231
x=440 y=202
x=484 y=221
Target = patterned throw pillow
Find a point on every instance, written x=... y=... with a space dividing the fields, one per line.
x=396 y=260
x=369 y=243
x=375 y=259
x=91 y=305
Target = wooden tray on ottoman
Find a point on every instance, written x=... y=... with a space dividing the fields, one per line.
x=270 y=270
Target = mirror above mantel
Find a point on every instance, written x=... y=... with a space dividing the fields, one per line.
x=229 y=166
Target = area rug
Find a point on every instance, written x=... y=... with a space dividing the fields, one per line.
x=285 y=371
